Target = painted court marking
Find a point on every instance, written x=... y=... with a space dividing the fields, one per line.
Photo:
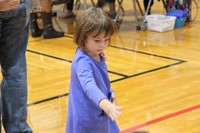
x=160 y=119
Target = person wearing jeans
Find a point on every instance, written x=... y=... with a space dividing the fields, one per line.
x=14 y=29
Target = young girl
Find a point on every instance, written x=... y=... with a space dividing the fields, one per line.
x=90 y=109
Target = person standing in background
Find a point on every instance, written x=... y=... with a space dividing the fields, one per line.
x=14 y=30
x=48 y=30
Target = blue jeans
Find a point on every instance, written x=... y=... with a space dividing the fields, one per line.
x=14 y=29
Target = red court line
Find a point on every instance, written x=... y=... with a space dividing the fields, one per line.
x=160 y=119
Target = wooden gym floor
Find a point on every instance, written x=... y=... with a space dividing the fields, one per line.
x=156 y=76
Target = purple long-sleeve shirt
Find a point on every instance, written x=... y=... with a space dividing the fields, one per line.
x=89 y=85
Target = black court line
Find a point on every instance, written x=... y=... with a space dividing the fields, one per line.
x=148 y=71
x=48 y=99
x=50 y=56
x=116 y=73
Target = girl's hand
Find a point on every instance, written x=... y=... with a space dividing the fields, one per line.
x=8 y=4
x=114 y=112
x=110 y=109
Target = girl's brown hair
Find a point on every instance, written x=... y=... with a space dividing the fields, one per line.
x=93 y=20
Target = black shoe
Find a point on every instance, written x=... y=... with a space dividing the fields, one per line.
x=36 y=32
x=51 y=33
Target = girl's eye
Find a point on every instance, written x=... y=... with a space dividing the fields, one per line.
x=97 y=40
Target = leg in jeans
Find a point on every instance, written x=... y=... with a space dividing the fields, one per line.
x=14 y=26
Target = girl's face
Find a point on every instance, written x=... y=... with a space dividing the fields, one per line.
x=96 y=45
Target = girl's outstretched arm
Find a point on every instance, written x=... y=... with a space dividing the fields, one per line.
x=110 y=109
